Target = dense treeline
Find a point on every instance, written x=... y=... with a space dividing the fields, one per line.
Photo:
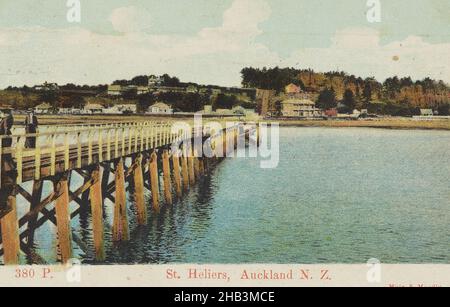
x=396 y=96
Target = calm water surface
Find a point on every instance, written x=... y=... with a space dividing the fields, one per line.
x=338 y=196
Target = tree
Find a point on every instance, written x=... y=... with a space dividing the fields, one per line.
x=145 y=101
x=140 y=81
x=349 y=100
x=367 y=93
x=444 y=110
x=170 y=81
x=51 y=97
x=327 y=99
x=223 y=101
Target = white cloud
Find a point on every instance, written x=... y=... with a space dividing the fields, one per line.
x=214 y=55
x=130 y=19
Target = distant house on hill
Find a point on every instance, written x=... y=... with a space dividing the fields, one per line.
x=47 y=87
x=299 y=108
x=142 y=90
x=426 y=112
x=292 y=89
x=169 y=89
x=69 y=111
x=43 y=108
x=160 y=108
x=192 y=89
x=93 y=108
x=115 y=90
x=121 y=109
x=154 y=81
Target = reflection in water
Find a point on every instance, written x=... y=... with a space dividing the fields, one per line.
x=163 y=239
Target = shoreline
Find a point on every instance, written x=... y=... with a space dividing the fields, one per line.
x=391 y=124
x=381 y=123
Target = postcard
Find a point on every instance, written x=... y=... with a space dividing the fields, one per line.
x=225 y=143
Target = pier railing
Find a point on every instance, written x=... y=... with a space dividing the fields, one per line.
x=78 y=146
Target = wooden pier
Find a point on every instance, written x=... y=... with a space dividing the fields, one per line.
x=98 y=154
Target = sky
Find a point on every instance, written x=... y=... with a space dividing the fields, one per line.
x=210 y=41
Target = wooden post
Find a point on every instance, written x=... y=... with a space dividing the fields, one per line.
x=96 y=198
x=66 y=152
x=63 y=220
x=79 y=157
x=225 y=143
x=201 y=164
x=185 y=171
x=139 y=192
x=120 y=225
x=196 y=165
x=258 y=136
x=90 y=147
x=35 y=201
x=19 y=161
x=53 y=156
x=176 y=174
x=10 y=233
x=167 y=178
x=154 y=180
x=191 y=168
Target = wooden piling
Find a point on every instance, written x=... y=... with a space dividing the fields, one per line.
x=185 y=171
x=120 y=225
x=201 y=165
x=35 y=201
x=167 y=178
x=177 y=175
x=154 y=180
x=10 y=233
x=191 y=168
x=139 y=192
x=62 y=213
x=96 y=199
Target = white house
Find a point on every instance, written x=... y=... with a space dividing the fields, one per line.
x=142 y=90
x=154 y=81
x=121 y=109
x=426 y=112
x=115 y=90
x=43 y=108
x=93 y=108
x=192 y=89
x=160 y=108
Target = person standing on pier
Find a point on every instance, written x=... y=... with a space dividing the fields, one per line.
x=8 y=167
x=31 y=124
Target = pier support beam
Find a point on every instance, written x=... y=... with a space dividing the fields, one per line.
x=96 y=198
x=35 y=201
x=10 y=233
x=139 y=192
x=154 y=180
x=120 y=226
x=64 y=232
x=196 y=165
x=185 y=171
x=167 y=178
x=177 y=175
x=191 y=167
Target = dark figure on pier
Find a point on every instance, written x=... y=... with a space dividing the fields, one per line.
x=31 y=124
x=8 y=167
